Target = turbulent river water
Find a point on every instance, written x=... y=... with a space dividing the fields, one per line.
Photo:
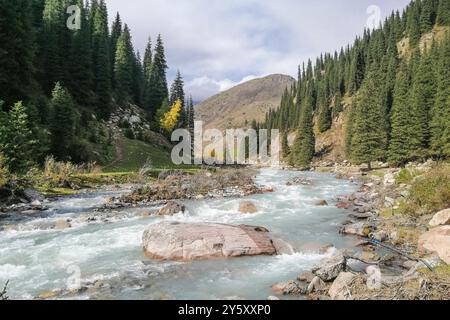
x=105 y=256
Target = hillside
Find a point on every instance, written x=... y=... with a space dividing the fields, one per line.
x=245 y=102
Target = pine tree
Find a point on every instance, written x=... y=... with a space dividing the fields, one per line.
x=157 y=86
x=401 y=145
x=356 y=69
x=426 y=16
x=284 y=144
x=369 y=138
x=123 y=69
x=440 y=113
x=17 y=50
x=443 y=13
x=148 y=60
x=16 y=139
x=81 y=76
x=138 y=80
x=62 y=124
x=55 y=44
x=177 y=93
x=304 y=146
x=102 y=72
x=422 y=101
x=116 y=32
x=324 y=112
x=413 y=23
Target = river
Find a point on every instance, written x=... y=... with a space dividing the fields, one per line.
x=106 y=256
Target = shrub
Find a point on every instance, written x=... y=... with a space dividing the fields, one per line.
x=429 y=193
x=406 y=175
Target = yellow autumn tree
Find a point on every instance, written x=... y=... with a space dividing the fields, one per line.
x=170 y=119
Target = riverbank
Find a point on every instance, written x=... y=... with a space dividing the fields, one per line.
x=403 y=209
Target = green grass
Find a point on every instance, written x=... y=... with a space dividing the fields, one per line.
x=135 y=155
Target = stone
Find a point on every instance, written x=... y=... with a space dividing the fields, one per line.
x=441 y=218
x=340 y=288
x=171 y=208
x=316 y=284
x=199 y=241
x=359 y=229
x=322 y=203
x=288 y=288
x=62 y=224
x=267 y=190
x=389 y=179
x=272 y=298
x=247 y=207
x=329 y=268
x=344 y=205
x=367 y=256
x=380 y=235
x=306 y=277
x=33 y=195
x=436 y=240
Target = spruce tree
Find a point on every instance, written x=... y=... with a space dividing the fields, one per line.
x=116 y=32
x=443 y=13
x=426 y=16
x=440 y=113
x=157 y=87
x=422 y=101
x=17 y=50
x=123 y=69
x=138 y=80
x=304 y=145
x=62 y=125
x=102 y=72
x=81 y=76
x=401 y=145
x=177 y=93
x=369 y=138
x=413 y=23
x=16 y=139
x=148 y=60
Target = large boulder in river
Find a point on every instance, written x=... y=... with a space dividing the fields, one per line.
x=170 y=209
x=340 y=288
x=199 y=241
x=329 y=268
x=441 y=218
x=247 y=207
x=437 y=240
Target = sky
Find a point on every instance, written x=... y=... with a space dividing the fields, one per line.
x=217 y=44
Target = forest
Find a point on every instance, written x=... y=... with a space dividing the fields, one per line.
x=59 y=86
x=395 y=82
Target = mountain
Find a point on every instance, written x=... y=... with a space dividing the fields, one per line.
x=245 y=102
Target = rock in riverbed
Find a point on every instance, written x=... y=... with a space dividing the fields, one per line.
x=247 y=207
x=328 y=269
x=199 y=241
x=171 y=208
x=441 y=218
x=437 y=240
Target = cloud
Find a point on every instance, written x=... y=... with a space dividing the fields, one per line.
x=216 y=43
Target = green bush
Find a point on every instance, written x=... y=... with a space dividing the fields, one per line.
x=406 y=175
x=429 y=193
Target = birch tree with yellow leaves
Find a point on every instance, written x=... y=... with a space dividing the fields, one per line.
x=170 y=119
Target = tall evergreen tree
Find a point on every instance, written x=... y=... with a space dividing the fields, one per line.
x=62 y=124
x=413 y=23
x=81 y=76
x=116 y=32
x=16 y=139
x=369 y=138
x=138 y=80
x=148 y=60
x=426 y=16
x=157 y=87
x=422 y=101
x=123 y=69
x=304 y=145
x=402 y=145
x=102 y=72
x=443 y=13
x=440 y=113
x=17 y=50
x=177 y=93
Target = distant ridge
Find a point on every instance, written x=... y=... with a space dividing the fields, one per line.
x=245 y=102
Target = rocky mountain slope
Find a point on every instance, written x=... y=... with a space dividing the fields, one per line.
x=245 y=102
